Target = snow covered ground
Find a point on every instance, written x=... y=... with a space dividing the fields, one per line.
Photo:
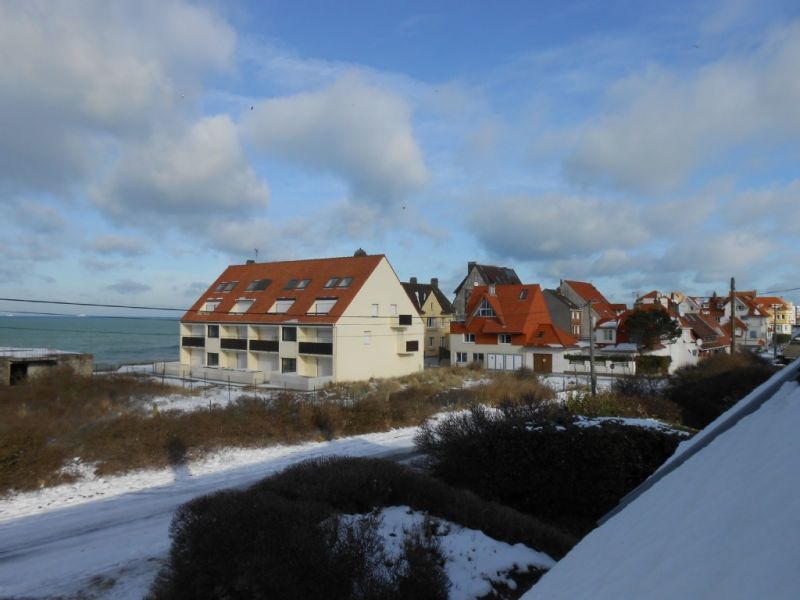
x=108 y=537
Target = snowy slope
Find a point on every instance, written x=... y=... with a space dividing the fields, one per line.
x=725 y=524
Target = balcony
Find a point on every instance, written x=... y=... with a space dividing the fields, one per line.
x=323 y=348
x=193 y=342
x=233 y=344
x=402 y=322
x=264 y=345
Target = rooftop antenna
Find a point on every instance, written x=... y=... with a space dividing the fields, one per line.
x=256 y=251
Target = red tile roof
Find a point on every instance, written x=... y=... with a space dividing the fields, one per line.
x=526 y=318
x=587 y=291
x=318 y=271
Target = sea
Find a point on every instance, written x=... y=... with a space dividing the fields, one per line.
x=113 y=341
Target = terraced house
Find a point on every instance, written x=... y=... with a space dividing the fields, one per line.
x=437 y=313
x=304 y=323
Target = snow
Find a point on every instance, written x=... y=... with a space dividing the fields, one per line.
x=471 y=557
x=724 y=524
x=629 y=422
x=10 y=352
x=83 y=536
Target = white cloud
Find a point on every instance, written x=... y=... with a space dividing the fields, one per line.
x=115 y=244
x=75 y=76
x=353 y=129
x=549 y=227
x=660 y=128
x=196 y=175
x=128 y=286
x=773 y=209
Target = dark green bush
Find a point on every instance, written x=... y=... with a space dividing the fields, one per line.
x=255 y=544
x=706 y=390
x=541 y=463
x=282 y=538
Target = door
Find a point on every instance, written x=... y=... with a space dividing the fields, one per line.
x=542 y=363
x=492 y=359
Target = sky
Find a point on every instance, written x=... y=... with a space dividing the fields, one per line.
x=638 y=145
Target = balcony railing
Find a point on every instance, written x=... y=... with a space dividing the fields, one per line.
x=233 y=344
x=193 y=342
x=264 y=345
x=324 y=348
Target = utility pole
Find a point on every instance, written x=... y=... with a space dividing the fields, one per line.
x=592 y=375
x=775 y=331
x=733 y=315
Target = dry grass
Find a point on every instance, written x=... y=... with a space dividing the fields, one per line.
x=105 y=421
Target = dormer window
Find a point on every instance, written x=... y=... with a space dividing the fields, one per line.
x=229 y=286
x=486 y=310
x=281 y=305
x=210 y=305
x=345 y=282
x=332 y=282
x=322 y=306
x=221 y=287
x=291 y=284
x=523 y=293
x=504 y=338
x=242 y=305
x=303 y=284
x=258 y=285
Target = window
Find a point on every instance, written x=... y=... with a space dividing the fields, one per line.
x=393 y=309
x=258 y=285
x=210 y=305
x=303 y=284
x=322 y=306
x=753 y=335
x=431 y=321
x=221 y=286
x=374 y=310
x=523 y=293
x=291 y=284
x=212 y=359
x=289 y=334
x=576 y=330
x=486 y=309
x=332 y=282
x=608 y=335
x=404 y=319
x=230 y=286
x=213 y=331
x=412 y=345
x=367 y=338
x=242 y=305
x=288 y=365
x=345 y=282
x=461 y=358
x=477 y=357
x=469 y=338
x=430 y=342
x=504 y=338
x=282 y=305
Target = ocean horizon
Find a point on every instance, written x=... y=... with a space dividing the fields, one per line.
x=112 y=340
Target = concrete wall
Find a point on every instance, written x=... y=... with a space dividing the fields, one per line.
x=381 y=353
x=41 y=364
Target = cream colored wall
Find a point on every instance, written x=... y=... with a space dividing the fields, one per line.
x=354 y=360
x=440 y=332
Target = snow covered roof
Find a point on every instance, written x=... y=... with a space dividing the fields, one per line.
x=723 y=524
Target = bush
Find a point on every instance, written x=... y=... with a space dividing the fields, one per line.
x=706 y=390
x=541 y=463
x=257 y=544
x=614 y=404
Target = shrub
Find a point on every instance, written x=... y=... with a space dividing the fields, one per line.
x=706 y=390
x=541 y=463
x=283 y=538
x=613 y=404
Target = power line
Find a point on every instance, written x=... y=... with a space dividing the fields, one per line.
x=51 y=329
x=93 y=304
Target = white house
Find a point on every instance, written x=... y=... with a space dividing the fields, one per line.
x=301 y=324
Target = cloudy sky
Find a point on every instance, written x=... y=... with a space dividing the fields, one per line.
x=146 y=145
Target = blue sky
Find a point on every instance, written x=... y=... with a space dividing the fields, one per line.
x=637 y=145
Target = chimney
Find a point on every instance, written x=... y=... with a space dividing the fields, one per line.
x=435 y=282
x=413 y=280
x=470 y=265
x=250 y=261
x=492 y=289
